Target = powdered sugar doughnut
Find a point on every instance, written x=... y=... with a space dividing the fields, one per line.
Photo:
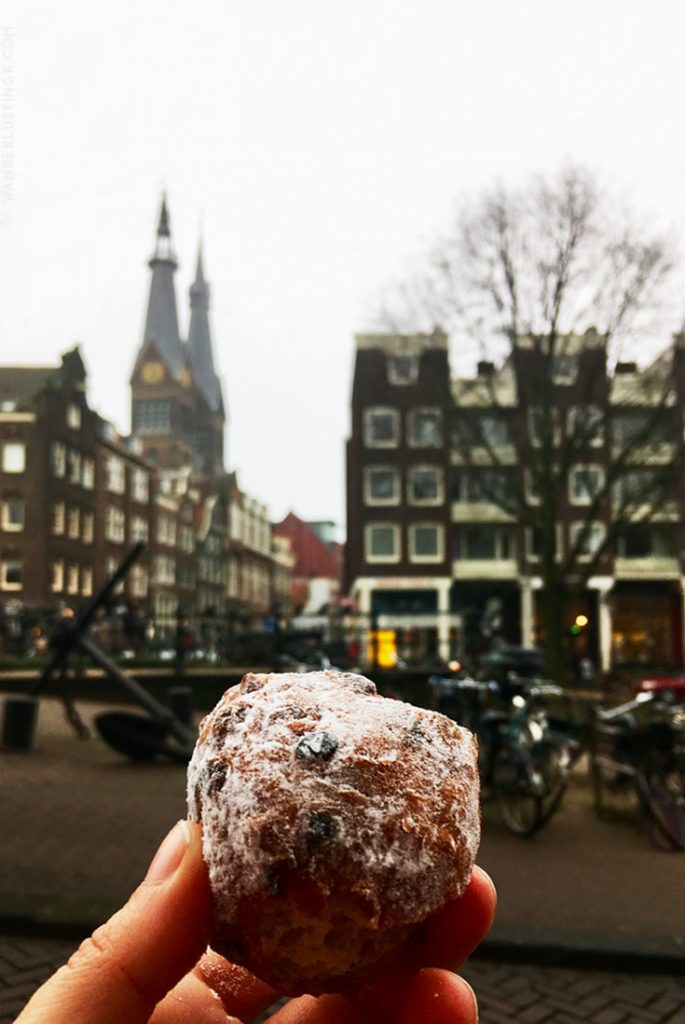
x=334 y=820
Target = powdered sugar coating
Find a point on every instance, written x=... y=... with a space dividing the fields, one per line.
x=319 y=774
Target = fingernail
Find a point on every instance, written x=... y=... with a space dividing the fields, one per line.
x=473 y=996
x=170 y=854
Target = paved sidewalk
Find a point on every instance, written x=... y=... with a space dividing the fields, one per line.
x=506 y=993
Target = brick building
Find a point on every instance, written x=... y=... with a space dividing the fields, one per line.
x=431 y=540
x=48 y=453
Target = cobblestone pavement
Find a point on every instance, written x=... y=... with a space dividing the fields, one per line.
x=507 y=993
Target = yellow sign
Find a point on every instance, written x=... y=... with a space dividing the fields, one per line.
x=382 y=649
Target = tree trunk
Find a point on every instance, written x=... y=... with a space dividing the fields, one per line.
x=553 y=600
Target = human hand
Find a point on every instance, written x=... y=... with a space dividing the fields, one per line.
x=148 y=965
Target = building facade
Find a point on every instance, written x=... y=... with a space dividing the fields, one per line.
x=436 y=550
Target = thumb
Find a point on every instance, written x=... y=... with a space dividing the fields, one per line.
x=129 y=964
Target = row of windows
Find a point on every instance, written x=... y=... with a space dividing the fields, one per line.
x=425 y=542
x=382 y=427
x=404 y=369
x=69 y=464
x=115 y=479
x=584 y=424
x=71 y=578
x=425 y=485
x=72 y=522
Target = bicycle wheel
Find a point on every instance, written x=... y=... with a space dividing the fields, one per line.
x=551 y=763
x=521 y=806
x=662 y=794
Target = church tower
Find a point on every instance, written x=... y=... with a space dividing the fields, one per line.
x=177 y=410
x=209 y=405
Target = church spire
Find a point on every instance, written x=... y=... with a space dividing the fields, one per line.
x=200 y=355
x=161 y=322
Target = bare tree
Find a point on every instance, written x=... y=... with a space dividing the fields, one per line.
x=552 y=279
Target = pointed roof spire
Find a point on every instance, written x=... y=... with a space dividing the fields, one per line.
x=161 y=322
x=200 y=355
x=163 y=229
x=199 y=272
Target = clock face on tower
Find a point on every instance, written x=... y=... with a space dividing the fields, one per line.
x=152 y=372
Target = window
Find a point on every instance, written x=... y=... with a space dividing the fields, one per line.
x=543 y=425
x=426 y=543
x=382 y=542
x=14 y=457
x=494 y=431
x=139 y=529
x=483 y=485
x=640 y=428
x=86 y=581
x=88 y=474
x=58 y=459
x=535 y=540
x=165 y=569
x=74 y=416
x=485 y=543
x=139 y=581
x=403 y=369
x=585 y=425
x=140 y=486
x=115 y=524
x=152 y=416
x=425 y=485
x=381 y=428
x=72 y=578
x=186 y=540
x=74 y=466
x=587 y=539
x=564 y=369
x=13 y=511
x=166 y=530
x=87 y=527
x=57 y=524
x=381 y=485
x=640 y=486
x=585 y=484
x=425 y=428
x=115 y=475
x=57 y=577
x=11 y=574
x=73 y=523
x=642 y=540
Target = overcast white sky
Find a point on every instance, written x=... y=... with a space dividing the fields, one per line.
x=318 y=144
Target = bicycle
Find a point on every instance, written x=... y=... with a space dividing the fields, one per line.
x=642 y=756
x=525 y=757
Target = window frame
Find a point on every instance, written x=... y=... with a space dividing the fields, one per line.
x=439 y=498
x=20 y=447
x=374 y=559
x=439 y=556
x=422 y=410
x=375 y=410
x=576 y=527
x=499 y=532
x=6 y=523
x=4 y=566
x=369 y=499
x=584 y=467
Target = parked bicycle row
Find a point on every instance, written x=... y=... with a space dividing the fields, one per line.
x=528 y=747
